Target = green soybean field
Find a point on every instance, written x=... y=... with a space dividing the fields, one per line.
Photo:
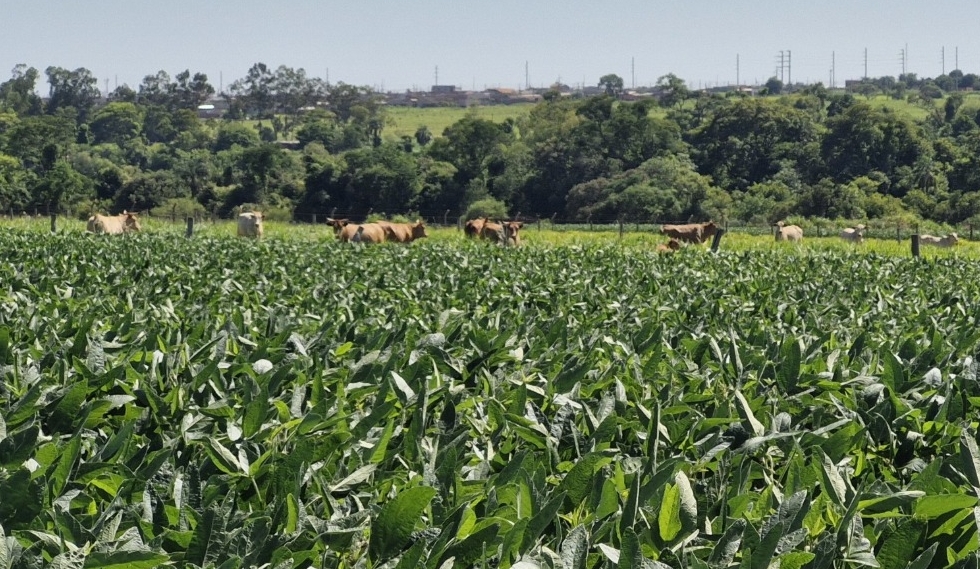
x=222 y=402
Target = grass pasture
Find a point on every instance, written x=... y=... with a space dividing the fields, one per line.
x=404 y=121
x=576 y=402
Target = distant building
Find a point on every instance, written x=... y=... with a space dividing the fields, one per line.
x=443 y=89
x=214 y=108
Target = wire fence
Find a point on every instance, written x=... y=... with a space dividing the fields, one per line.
x=878 y=229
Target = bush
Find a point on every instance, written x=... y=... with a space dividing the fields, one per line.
x=487 y=207
x=179 y=209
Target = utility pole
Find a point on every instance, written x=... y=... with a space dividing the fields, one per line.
x=901 y=55
x=833 y=70
x=865 y=63
x=738 y=70
x=779 y=68
x=789 y=64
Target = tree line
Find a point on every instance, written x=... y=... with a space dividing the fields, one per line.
x=799 y=150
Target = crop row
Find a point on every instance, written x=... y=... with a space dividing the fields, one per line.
x=222 y=402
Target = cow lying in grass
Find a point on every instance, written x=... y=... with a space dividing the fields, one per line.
x=853 y=234
x=669 y=247
x=947 y=241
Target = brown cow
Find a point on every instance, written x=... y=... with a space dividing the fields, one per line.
x=404 y=232
x=497 y=232
x=690 y=233
x=853 y=234
x=337 y=224
x=947 y=241
x=113 y=224
x=364 y=233
x=669 y=247
x=473 y=228
x=788 y=232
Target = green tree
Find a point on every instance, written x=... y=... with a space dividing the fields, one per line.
x=864 y=139
x=77 y=89
x=17 y=93
x=774 y=86
x=116 y=123
x=232 y=134
x=423 y=136
x=61 y=186
x=673 y=90
x=13 y=184
x=612 y=83
x=748 y=141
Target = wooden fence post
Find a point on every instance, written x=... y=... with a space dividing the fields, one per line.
x=971 y=232
x=898 y=232
x=445 y=218
x=589 y=221
x=54 y=222
x=915 y=244
x=620 y=228
x=506 y=235
x=539 y=225
x=717 y=240
x=314 y=219
x=190 y=226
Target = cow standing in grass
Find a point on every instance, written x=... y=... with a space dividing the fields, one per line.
x=404 y=232
x=337 y=224
x=250 y=224
x=853 y=234
x=113 y=224
x=473 y=228
x=363 y=233
x=505 y=233
x=785 y=232
x=691 y=232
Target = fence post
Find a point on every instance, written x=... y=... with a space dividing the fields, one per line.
x=54 y=222
x=620 y=228
x=589 y=220
x=539 y=225
x=190 y=226
x=915 y=244
x=971 y=232
x=717 y=240
x=445 y=218
x=506 y=235
x=898 y=232
x=314 y=219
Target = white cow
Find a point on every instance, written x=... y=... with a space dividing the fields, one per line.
x=788 y=232
x=853 y=234
x=113 y=224
x=250 y=224
x=947 y=241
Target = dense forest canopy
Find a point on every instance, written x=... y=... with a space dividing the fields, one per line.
x=681 y=154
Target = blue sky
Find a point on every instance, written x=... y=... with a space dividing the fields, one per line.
x=397 y=45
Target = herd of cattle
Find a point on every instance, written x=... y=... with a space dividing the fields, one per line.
x=504 y=232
